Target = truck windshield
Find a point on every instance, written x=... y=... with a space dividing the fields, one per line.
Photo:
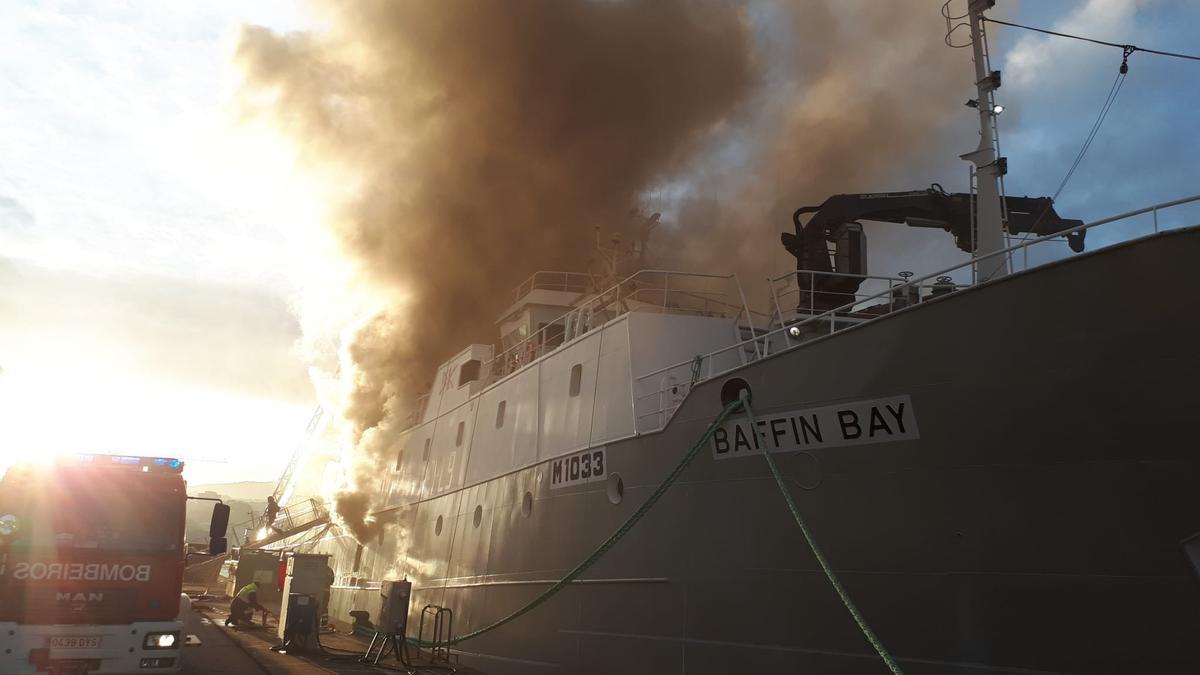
x=97 y=514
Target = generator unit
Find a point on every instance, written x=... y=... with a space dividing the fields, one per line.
x=393 y=610
x=392 y=624
x=298 y=622
x=308 y=576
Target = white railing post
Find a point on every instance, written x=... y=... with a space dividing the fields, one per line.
x=787 y=340
x=749 y=319
x=812 y=291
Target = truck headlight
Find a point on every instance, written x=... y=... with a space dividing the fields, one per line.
x=161 y=640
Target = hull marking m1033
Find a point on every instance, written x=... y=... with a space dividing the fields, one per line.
x=856 y=423
x=582 y=467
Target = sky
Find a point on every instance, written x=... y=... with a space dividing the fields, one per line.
x=148 y=245
x=154 y=248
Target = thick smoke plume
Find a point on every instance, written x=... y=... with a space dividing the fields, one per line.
x=479 y=141
x=486 y=140
x=856 y=96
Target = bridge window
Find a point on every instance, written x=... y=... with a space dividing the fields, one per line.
x=576 y=378
x=425 y=454
x=468 y=372
x=458 y=438
x=553 y=334
x=500 y=413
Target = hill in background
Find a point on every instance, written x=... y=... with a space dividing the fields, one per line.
x=249 y=490
x=246 y=499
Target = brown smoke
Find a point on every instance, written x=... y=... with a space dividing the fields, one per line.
x=483 y=140
x=861 y=96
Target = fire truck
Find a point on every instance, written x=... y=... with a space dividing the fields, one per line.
x=92 y=554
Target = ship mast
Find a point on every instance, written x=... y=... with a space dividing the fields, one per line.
x=989 y=167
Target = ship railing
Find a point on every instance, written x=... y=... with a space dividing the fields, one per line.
x=790 y=300
x=659 y=393
x=713 y=295
x=1031 y=252
x=571 y=282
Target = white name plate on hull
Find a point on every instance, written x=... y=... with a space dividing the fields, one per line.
x=856 y=423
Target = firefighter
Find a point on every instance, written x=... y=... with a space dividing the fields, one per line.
x=241 y=609
x=272 y=513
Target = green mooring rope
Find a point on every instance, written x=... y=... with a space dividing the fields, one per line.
x=645 y=508
x=605 y=546
x=812 y=544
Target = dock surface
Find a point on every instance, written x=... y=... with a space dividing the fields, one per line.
x=247 y=651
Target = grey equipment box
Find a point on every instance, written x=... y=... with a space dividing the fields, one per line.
x=308 y=574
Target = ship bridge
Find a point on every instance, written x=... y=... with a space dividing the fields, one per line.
x=563 y=374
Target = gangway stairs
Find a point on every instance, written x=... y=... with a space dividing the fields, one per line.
x=296 y=518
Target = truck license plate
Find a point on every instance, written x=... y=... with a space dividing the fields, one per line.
x=69 y=642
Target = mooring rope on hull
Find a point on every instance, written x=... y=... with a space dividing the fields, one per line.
x=743 y=403
x=603 y=547
x=816 y=550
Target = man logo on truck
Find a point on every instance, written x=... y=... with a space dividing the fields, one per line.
x=80 y=597
x=78 y=602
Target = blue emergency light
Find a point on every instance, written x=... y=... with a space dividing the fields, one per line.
x=144 y=464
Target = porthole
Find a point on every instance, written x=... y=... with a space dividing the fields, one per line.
x=527 y=504
x=616 y=488
x=437 y=527
x=478 y=515
x=732 y=390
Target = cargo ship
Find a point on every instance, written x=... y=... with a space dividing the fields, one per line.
x=995 y=460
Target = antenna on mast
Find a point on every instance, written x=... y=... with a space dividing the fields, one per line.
x=990 y=167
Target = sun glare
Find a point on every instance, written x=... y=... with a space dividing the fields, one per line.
x=56 y=408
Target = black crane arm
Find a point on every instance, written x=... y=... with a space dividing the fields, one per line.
x=918 y=208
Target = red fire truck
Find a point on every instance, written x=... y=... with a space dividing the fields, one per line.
x=92 y=555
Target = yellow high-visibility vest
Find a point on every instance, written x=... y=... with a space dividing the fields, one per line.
x=249 y=588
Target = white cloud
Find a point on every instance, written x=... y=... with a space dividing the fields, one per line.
x=118 y=144
x=1037 y=60
x=146 y=249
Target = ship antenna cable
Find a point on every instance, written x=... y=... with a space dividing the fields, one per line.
x=816 y=550
x=1087 y=143
x=1127 y=50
